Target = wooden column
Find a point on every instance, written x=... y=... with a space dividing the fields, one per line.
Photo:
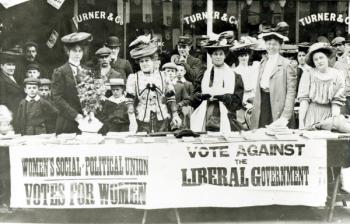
x=297 y=21
x=124 y=24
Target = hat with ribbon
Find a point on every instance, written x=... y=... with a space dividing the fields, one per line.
x=246 y=42
x=9 y=56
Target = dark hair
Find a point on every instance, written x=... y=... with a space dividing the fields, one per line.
x=328 y=53
x=243 y=51
x=273 y=37
x=212 y=50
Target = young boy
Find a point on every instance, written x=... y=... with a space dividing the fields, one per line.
x=183 y=91
x=33 y=71
x=45 y=89
x=33 y=112
x=45 y=93
x=114 y=114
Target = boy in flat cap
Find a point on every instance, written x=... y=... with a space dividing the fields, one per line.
x=192 y=65
x=11 y=92
x=33 y=112
x=114 y=113
x=33 y=71
x=120 y=65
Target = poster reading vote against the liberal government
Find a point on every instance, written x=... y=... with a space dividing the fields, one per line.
x=156 y=175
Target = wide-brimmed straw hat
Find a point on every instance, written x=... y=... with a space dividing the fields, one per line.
x=318 y=47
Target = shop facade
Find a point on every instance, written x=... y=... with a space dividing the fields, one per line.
x=38 y=21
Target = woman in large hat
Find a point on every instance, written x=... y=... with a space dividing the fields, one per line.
x=65 y=80
x=248 y=72
x=220 y=94
x=149 y=92
x=321 y=89
x=276 y=86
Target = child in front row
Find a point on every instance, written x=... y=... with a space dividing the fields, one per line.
x=114 y=115
x=33 y=112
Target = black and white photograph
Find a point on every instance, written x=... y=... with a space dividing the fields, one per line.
x=175 y=111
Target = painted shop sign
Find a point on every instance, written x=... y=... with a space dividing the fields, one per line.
x=98 y=15
x=324 y=17
x=215 y=15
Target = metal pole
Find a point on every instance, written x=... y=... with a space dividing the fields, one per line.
x=124 y=23
x=209 y=25
x=297 y=22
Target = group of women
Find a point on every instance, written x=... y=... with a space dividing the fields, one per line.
x=221 y=90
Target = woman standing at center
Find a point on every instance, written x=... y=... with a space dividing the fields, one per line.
x=276 y=86
x=321 y=89
x=220 y=94
x=149 y=92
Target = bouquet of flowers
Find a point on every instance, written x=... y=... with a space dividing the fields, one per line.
x=91 y=93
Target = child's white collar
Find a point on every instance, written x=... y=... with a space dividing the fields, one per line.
x=36 y=98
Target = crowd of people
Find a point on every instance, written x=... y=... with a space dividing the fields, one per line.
x=249 y=83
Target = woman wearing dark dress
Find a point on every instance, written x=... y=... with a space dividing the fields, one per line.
x=64 y=84
x=220 y=94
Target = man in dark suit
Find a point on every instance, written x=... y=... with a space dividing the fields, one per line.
x=120 y=65
x=10 y=92
x=192 y=65
x=64 y=84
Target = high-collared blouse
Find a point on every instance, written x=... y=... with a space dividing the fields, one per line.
x=322 y=89
x=151 y=93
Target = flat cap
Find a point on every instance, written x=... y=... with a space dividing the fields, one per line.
x=170 y=65
x=76 y=37
x=103 y=51
x=33 y=81
x=45 y=82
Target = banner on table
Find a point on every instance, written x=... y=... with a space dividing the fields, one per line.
x=156 y=175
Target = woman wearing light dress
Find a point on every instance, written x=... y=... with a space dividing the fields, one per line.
x=321 y=88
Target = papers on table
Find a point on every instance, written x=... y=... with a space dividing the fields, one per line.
x=320 y=134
